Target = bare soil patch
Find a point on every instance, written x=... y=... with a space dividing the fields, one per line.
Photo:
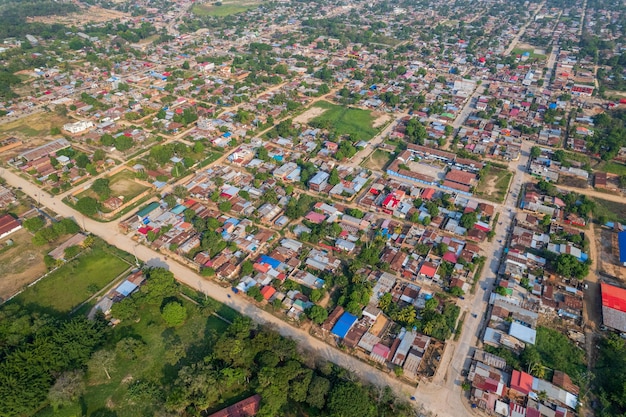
x=380 y=119
x=310 y=114
x=20 y=264
x=91 y=14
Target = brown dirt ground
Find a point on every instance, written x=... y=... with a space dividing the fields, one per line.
x=311 y=113
x=89 y=14
x=19 y=265
x=380 y=119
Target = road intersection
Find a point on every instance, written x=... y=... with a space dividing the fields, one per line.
x=442 y=396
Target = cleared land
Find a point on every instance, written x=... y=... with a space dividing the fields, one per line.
x=610 y=209
x=38 y=124
x=378 y=160
x=532 y=51
x=123 y=184
x=310 y=114
x=226 y=8
x=493 y=184
x=74 y=282
x=91 y=14
x=612 y=167
x=20 y=264
x=357 y=123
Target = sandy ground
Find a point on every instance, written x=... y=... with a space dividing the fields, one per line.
x=90 y=14
x=311 y=113
x=381 y=119
x=19 y=265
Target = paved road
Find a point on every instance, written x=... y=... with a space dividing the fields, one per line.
x=467 y=108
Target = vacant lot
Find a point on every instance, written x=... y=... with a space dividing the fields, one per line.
x=531 y=51
x=612 y=167
x=378 y=160
x=20 y=264
x=36 y=125
x=123 y=184
x=226 y=8
x=494 y=184
x=357 y=123
x=610 y=209
x=74 y=282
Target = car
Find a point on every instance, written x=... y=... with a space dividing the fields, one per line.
x=474 y=315
x=412 y=398
x=500 y=241
x=461 y=297
x=228 y=295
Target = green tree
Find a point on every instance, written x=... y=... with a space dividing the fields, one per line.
x=317 y=314
x=317 y=392
x=101 y=187
x=34 y=224
x=174 y=313
x=246 y=268
x=88 y=206
x=334 y=177
x=535 y=152
x=348 y=399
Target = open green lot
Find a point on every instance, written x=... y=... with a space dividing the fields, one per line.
x=378 y=160
x=38 y=124
x=357 y=123
x=493 y=184
x=74 y=282
x=123 y=184
x=226 y=8
x=612 y=168
x=520 y=51
x=612 y=210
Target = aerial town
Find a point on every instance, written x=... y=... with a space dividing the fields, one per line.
x=323 y=208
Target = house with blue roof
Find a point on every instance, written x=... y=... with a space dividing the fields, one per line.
x=343 y=325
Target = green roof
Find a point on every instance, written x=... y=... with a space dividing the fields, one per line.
x=147 y=209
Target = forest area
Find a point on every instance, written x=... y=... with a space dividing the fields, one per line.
x=169 y=356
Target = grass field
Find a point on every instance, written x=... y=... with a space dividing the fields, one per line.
x=610 y=209
x=378 y=160
x=357 y=123
x=38 y=124
x=520 y=51
x=74 y=282
x=227 y=8
x=166 y=350
x=493 y=184
x=612 y=167
x=123 y=184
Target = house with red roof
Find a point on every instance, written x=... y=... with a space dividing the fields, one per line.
x=613 y=306
x=521 y=382
x=428 y=269
x=268 y=291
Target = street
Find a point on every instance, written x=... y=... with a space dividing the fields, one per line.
x=441 y=396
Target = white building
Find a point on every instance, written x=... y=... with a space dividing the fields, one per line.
x=77 y=127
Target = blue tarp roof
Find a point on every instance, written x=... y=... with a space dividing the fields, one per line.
x=343 y=325
x=125 y=288
x=274 y=263
x=621 y=238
